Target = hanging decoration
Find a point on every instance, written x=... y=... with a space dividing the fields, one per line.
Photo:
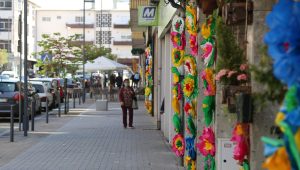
x=240 y=136
x=149 y=80
x=178 y=41
x=190 y=84
x=206 y=146
x=283 y=44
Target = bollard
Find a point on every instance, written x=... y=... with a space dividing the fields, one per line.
x=73 y=100
x=59 y=103
x=65 y=111
x=32 y=115
x=68 y=100
x=47 y=113
x=79 y=97
x=11 y=123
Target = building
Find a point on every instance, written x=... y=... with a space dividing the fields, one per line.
x=250 y=29
x=9 y=12
x=106 y=27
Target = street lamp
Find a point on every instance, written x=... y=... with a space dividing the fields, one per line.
x=83 y=49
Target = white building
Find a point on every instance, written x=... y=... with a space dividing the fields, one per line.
x=109 y=27
x=9 y=16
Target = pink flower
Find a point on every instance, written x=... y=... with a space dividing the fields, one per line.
x=242 y=77
x=221 y=73
x=230 y=73
x=206 y=144
x=243 y=67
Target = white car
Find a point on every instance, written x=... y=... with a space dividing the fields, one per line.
x=44 y=93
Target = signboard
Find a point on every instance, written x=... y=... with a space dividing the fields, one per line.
x=147 y=15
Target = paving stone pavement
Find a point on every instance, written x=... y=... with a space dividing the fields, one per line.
x=97 y=140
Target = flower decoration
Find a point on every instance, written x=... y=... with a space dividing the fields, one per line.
x=206 y=146
x=178 y=24
x=178 y=40
x=208 y=107
x=240 y=136
x=190 y=64
x=207 y=46
x=209 y=83
x=148 y=106
x=190 y=85
x=189 y=109
x=178 y=145
x=176 y=123
x=194 y=44
x=190 y=147
x=191 y=18
x=278 y=161
x=175 y=105
x=205 y=30
x=147 y=91
x=191 y=128
x=189 y=163
x=177 y=57
x=175 y=91
x=221 y=74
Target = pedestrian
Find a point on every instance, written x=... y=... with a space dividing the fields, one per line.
x=126 y=97
x=136 y=79
x=119 y=81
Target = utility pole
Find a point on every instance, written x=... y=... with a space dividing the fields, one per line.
x=25 y=117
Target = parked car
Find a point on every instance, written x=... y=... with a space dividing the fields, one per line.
x=34 y=97
x=10 y=96
x=44 y=94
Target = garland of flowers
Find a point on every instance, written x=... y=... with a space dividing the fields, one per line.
x=178 y=41
x=206 y=145
x=283 y=41
x=190 y=86
x=149 y=80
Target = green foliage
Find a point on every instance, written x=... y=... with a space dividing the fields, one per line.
x=230 y=54
x=3 y=57
x=66 y=55
x=263 y=73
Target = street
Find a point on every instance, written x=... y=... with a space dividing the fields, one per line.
x=89 y=139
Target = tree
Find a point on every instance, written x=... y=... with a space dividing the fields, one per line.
x=66 y=54
x=3 y=58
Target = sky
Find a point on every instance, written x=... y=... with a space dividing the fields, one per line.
x=78 y=4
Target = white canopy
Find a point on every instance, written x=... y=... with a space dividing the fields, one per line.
x=104 y=64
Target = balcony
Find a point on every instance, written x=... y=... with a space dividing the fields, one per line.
x=79 y=25
x=122 y=42
x=80 y=43
x=121 y=26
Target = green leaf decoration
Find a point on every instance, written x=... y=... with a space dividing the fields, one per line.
x=208 y=107
x=176 y=122
x=191 y=126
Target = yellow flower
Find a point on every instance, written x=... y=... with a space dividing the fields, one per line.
x=280 y=117
x=189 y=85
x=147 y=91
x=205 y=31
x=175 y=105
x=177 y=57
x=278 y=161
x=187 y=160
x=175 y=78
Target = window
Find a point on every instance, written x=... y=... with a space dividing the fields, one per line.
x=126 y=37
x=103 y=37
x=5 y=45
x=78 y=19
x=46 y=19
x=58 y=17
x=103 y=20
x=5 y=4
x=5 y=24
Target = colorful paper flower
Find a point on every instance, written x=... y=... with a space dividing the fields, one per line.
x=190 y=64
x=177 y=57
x=193 y=44
x=240 y=136
x=191 y=18
x=189 y=142
x=178 y=40
x=190 y=86
x=176 y=75
x=208 y=107
x=175 y=105
x=209 y=83
x=178 y=24
x=278 y=161
x=208 y=47
x=176 y=123
x=189 y=109
x=178 y=145
x=205 y=30
x=221 y=73
x=191 y=128
x=206 y=146
x=147 y=91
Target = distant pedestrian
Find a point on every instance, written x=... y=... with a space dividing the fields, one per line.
x=126 y=97
x=119 y=80
x=136 y=79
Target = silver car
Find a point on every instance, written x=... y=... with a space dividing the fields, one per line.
x=44 y=94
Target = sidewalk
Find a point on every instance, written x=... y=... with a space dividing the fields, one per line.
x=97 y=140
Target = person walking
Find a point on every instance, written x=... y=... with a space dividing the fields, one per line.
x=119 y=81
x=126 y=97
